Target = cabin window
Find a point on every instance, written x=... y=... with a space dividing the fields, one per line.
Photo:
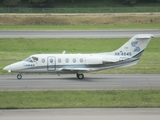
x=74 y=60
x=59 y=60
x=51 y=60
x=81 y=60
x=43 y=60
x=67 y=60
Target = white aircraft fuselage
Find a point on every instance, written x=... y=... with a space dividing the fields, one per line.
x=127 y=55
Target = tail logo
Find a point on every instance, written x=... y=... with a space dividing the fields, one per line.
x=134 y=44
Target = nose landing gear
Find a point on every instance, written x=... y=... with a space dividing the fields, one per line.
x=19 y=76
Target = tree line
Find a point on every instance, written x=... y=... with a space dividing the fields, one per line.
x=45 y=3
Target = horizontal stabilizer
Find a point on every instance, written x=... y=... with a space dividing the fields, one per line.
x=144 y=36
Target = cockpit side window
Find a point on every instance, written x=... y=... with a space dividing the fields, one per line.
x=35 y=59
x=28 y=59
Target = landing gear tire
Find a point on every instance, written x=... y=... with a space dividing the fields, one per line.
x=19 y=76
x=80 y=76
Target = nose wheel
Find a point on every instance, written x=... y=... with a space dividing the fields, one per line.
x=19 y=76
x=80 y=76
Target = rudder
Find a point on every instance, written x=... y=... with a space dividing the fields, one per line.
x=134 y=47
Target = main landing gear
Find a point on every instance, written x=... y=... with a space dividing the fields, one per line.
x=19 y=76
x=80 y=76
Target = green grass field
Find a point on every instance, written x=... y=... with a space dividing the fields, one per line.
x=16 y=49
x=80 y=99
x=81 y=27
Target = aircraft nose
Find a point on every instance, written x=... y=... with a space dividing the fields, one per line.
x=7 y=68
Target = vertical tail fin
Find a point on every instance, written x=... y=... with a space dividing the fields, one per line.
x=134 y=47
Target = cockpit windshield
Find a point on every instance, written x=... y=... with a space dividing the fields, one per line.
x=31 y=59
x=28 y=59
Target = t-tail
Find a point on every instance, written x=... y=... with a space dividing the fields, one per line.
x=134 y=47
x=129 y=53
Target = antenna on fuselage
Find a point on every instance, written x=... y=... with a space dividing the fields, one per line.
x=64 y=52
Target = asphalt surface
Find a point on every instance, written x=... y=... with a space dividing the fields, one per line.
x=82 y=114
x=90 y=82
x=76 y=33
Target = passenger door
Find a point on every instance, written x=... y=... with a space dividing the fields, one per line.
x=51 y=63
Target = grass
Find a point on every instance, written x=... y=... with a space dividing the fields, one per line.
x=79 y=22
x=16 y=49
x=81 y=27
x=75 y=9
x=80 y=99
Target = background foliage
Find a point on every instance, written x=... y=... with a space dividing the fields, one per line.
x=53 y=3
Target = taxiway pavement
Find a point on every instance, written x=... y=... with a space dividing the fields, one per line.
x=90 y=82
x=75 y=33
x=82 y=114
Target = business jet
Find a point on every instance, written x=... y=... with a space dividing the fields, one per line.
x=127 y=55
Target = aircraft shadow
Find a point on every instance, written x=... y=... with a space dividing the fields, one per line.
x=91 y=79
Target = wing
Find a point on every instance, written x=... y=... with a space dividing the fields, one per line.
x=76 y=69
